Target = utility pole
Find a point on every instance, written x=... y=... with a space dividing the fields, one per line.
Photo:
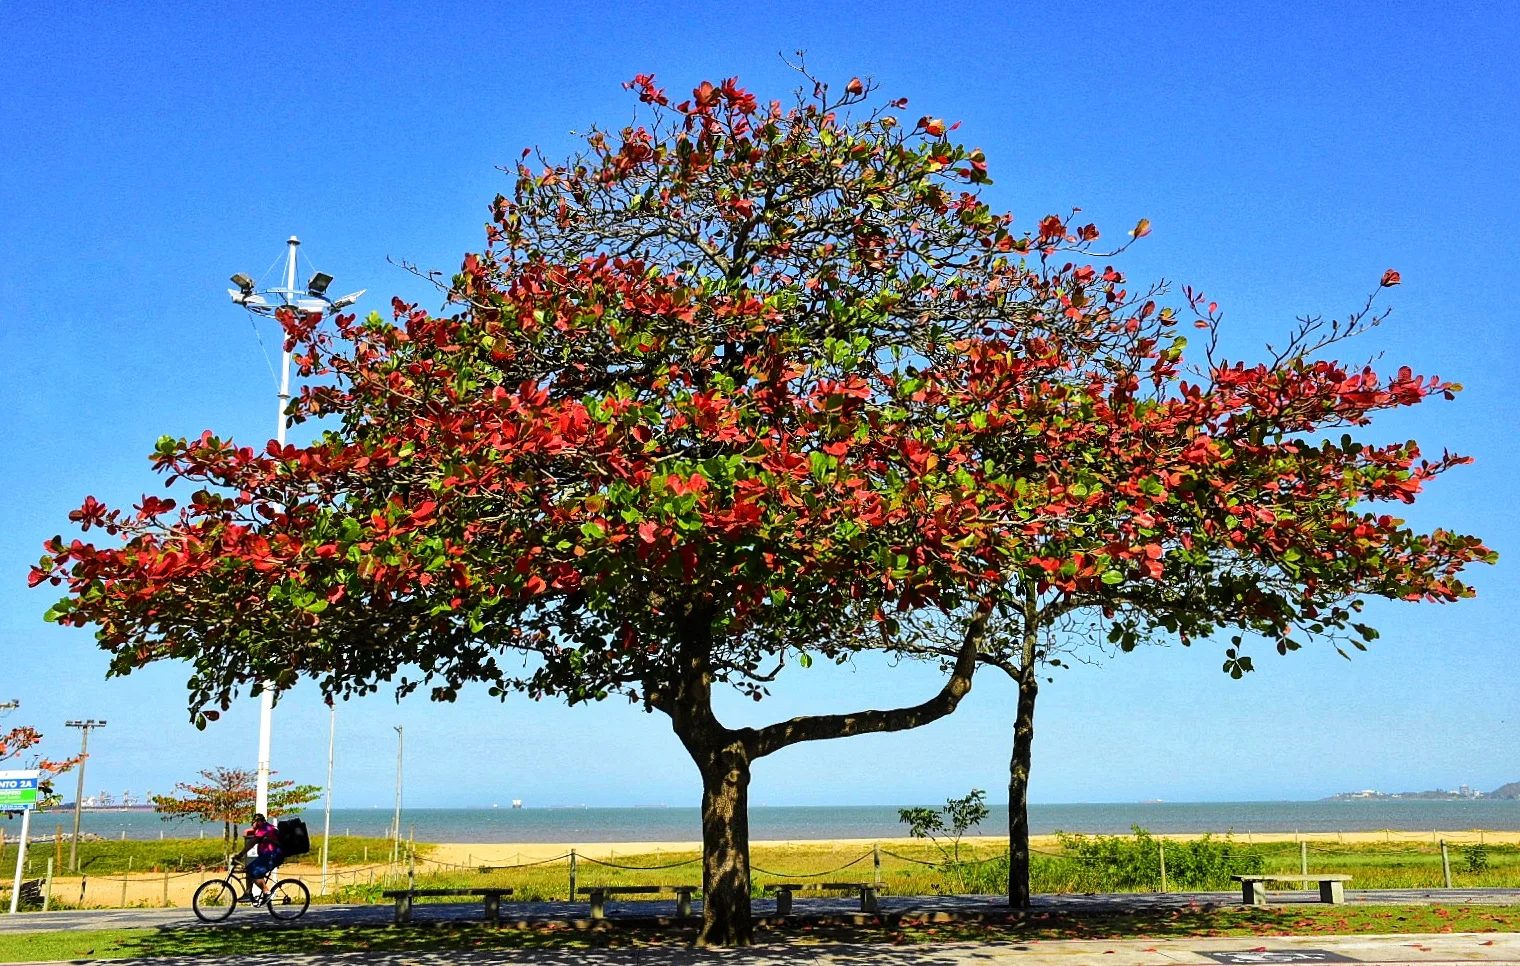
x=396 y=828
x=311 y=300
x=84 y=727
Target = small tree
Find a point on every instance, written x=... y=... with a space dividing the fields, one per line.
x=16 y=748
x=228 y=795
x=1215 y=498
x=946 y=827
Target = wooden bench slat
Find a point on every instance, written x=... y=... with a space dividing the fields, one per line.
x=784 y=890
x=1294 y=877
x=395 y=893
x=599 y=894
x=405 y=900
x=1332 y=886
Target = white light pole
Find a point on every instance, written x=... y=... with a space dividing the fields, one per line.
x=396 y=822
x=311 y=300
x=332 y=733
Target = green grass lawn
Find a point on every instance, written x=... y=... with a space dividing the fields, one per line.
x=1193 y=922
x=904 y=872
x=155 y=855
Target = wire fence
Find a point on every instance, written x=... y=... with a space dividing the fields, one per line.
x=1081 y=863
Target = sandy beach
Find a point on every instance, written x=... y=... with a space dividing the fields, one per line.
x=486 y=853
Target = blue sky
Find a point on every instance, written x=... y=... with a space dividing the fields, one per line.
x=1286 y=155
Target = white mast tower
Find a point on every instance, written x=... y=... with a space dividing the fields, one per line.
x=311 y=300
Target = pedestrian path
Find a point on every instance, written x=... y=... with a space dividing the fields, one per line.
x=1406 y=950
x=350 y=915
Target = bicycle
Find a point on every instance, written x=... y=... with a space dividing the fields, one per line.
x=215 y=899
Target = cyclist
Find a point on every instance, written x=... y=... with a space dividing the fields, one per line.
x=265 y=838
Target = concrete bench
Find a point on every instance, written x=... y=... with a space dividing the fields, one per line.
x=599 y=894
x=1253 y=888
x=405 y=897
x=783 y=890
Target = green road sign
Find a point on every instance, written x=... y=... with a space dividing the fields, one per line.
x=18 y=790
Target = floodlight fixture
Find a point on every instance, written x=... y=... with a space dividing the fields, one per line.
x=310 y=299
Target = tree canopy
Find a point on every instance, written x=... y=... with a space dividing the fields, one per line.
x=228 y=795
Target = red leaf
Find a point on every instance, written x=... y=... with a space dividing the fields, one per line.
x=1391 y=278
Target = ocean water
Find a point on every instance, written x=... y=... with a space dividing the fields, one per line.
x=823 y=822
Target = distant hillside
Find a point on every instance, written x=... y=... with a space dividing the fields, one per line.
x=1510 y=792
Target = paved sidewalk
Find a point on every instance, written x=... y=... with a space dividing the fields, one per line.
x=324 y=915
x=1383 y=950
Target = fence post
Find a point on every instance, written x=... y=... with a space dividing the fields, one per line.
x=166 y=887
x=124 y=883
x=876 y=861
x=1445 y=865
x=411 y=866
x=1162 y=844
x=572 y=875
x=1303 y=857
x=47 y=893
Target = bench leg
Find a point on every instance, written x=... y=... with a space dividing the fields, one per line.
x=783 y=902
x=493 y=910
x=403 y=909
x=598 y=906
x=1253 y=893
x=868 y=899
x=1332 y=891
x=683 y=904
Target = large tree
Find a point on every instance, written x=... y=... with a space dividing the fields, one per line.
x=713 y=401
x=1205 y=497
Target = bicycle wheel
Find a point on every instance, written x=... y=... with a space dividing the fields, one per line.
x=214 y=900
x=288 y=899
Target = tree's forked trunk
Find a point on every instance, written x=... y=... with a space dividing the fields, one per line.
x=725 y=849
x=723 y=757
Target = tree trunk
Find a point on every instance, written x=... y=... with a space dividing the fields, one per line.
x=725 y=848
x=723 y=757
x=1018 y=791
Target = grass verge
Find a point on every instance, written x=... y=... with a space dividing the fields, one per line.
x=1169 y=924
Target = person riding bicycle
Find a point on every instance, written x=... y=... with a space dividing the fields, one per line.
x=266 y=839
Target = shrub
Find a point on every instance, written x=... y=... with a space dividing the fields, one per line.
x=1118 y=863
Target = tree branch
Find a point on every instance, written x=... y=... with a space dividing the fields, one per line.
x=771 y=738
